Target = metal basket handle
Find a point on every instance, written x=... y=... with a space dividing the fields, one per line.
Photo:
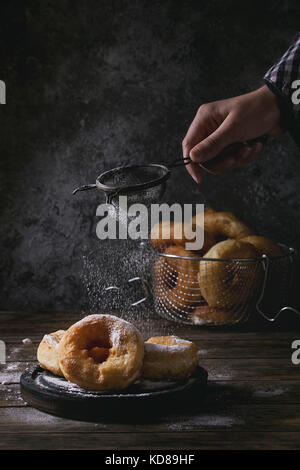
x=266 y=264
x=145 y=288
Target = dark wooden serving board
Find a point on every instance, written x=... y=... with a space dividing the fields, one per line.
x=52 y=394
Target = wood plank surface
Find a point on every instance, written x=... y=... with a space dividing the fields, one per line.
x=208 y=418
x=208 y=349
x=258 y=440
x=252 y=400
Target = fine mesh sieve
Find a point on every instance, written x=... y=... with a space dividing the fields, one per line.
x=147 y=183
x=140 y=183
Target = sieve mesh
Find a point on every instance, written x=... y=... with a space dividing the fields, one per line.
x=134 y=175
x=144 y=184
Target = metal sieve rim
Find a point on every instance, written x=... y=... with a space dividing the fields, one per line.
x=133 y=187
x=289 y=252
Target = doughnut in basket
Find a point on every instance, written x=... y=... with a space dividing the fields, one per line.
x=165 y=234
x=223 y=225
x=264 y=246
x=225 y=284
x=206 y=315
x=47 y=353
x=101 y=352
x=176 y=280
x=169 y=357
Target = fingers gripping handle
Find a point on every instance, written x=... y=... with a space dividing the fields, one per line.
x=212 y=165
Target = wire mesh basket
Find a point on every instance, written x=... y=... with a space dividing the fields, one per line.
x=203 y=291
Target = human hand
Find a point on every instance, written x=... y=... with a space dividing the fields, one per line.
x=222 y=123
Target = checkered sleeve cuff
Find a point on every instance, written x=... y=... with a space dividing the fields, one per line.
x=283 y=79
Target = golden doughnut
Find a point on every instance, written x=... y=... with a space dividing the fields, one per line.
x=176 y=280
x=47 y=353
x=101 y=352
x=225 y=284
x=206 y=315
x=209 y=209
x=164 y=235
x=208 y=241
x=222 y=225
x=264 y=245
x=169 y=357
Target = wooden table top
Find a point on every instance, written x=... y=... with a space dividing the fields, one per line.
x=252 y=399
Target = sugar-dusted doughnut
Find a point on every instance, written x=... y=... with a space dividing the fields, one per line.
x=47 y=353
x=206 y=315
x=229 y=277
x=169 y=357
x=222 y=225
x=265 y=246
x=101 y=352
x=176 y=282
x=165 y=234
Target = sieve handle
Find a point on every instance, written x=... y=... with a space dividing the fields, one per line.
x=266 y=264
x=212 y=165
x=84 y=188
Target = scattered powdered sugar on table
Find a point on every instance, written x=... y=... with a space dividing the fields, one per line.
x=12 y=367
x=10 y=372
x=219 y=372
x=27 y=341
x=270 y=392
x=11 y=395
x=202 y=352
x=195 y=422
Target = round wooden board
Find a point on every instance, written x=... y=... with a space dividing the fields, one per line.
x=52 y=394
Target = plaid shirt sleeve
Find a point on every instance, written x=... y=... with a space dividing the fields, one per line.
x=281 y=80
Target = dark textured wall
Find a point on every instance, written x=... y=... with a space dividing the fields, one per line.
x=94 y=84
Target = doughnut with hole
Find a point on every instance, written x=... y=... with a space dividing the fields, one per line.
x=176 y=282
x=265 y=246
x=223 y=225
x=101 y=352
x=165 y=234
x=229 y=279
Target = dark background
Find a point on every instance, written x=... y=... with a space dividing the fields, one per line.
x=95 y=84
